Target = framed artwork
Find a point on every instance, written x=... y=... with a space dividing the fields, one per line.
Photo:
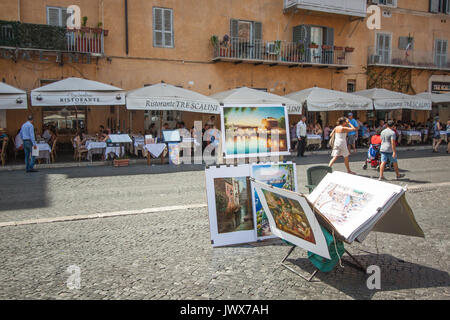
x=230 y=207
x=291 y=218
x=254 y=130
x=280 y=175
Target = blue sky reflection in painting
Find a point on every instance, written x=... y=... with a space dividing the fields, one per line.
x=253 y=116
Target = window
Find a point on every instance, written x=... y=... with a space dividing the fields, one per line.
x=389 y=3
x=351 y=85
x=384 y=48
x=162 y=27
x=440 y=53
x=320 y=35
x=246 y=36
x=440 y=6
x=57 y=16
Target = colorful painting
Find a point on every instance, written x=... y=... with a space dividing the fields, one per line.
x=255 y=130
x=289 y=216
x=278 y=175
x=340 y=203
x=233 y=204
x=174 y=153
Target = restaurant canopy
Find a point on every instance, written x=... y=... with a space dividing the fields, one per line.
x=319 y=99
x=390 y=100
x=163 y=96
x=77 y=92
x=246 y=95
x=12 y=98
x=435 y=97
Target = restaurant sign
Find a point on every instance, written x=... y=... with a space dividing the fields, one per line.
x=440 y=87
x=172 y=104
x=77 y=98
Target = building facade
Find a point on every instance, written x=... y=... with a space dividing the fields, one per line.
x=208 y=46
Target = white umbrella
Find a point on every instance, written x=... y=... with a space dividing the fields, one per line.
x=390 y=100
x=435 y=97
x=163 y=96
x=77 y=92
x=319 y=99
x=246 y=95
x=12 y=98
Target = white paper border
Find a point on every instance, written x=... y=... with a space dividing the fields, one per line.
x=320 y=247
x=229 y=238
x=254 y=155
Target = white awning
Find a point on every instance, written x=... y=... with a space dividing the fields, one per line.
x=319 y=99
x=248 y=96
x=163 y=96
x=390 y=100
x=435 y=97
x=77 y=92
x=12 y=98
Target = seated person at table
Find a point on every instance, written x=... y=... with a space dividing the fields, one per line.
x=3 y=136
x=46 y=135
x=106 y=137
x=365 y=133
x=18 y=142
x=318 y=130
x=80 y=140
x=53 y=136
x=152 y=130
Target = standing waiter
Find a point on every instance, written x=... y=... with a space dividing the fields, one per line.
x=29 y=142
x=301 y=137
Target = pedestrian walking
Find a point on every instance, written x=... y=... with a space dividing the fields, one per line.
x=388 y=150
x=448 y=136
x=301 y=137
x=352 y=136
x=340 y=148
x=29 y=143
x=436 y=134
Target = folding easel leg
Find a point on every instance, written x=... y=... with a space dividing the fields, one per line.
x=356 y=261
x=294 y=271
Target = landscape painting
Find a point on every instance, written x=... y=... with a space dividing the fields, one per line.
x=255 y=131
x=278 y=175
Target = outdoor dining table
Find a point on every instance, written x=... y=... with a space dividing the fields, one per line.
x=443 y=135
x=44 y=151
x=138 y=144
x=313 y=139
x=154 y=150
x=95 y=147
x=412 y=136
x=117 y=150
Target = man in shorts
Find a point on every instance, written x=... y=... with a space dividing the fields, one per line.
x=352 y=136
x=388 y=150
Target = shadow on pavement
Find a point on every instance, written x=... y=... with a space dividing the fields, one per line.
x=396 y=275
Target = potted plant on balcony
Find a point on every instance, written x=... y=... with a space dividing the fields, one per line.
x=215 y=43
x=313 y=45
x=98 y=30
x=83 y=24
x=326 y=47
x=224 y=45
x=337 y=48
x=349 y=49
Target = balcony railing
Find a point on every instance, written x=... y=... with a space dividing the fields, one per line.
x=282 y=53
x=408 y=59
x=53 y=38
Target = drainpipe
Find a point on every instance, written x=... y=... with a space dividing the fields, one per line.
x=126 y=27
x=18 y=10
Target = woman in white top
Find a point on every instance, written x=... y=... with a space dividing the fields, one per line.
x=340 y=142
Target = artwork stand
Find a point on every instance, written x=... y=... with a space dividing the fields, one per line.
x=309 y=278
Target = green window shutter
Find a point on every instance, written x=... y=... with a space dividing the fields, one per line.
x=302 y=33
x=233 y=28
x=53 y=16
x=64 y=17
x=434 y=6
x=328 y=36
x=257 y=31
x=168 y=28
x=157 y=27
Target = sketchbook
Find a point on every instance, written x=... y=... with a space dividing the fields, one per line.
x=352 y=206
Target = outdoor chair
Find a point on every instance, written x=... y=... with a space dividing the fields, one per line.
x=315 y=175
x=53 y=151
x=3 y=151
x=80 y=152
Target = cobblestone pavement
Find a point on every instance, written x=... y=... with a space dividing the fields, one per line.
x=167 y=255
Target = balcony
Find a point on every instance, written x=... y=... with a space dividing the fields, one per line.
x=412 y=59
x=282 y=53
x=27 y=36
x=356 y=8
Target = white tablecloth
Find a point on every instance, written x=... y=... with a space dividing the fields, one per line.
x=155 y=149
x=120 y=138
x=95 y=145
x=139 y=141
x=44 y=151
x=412 y=133
x=118 y=151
